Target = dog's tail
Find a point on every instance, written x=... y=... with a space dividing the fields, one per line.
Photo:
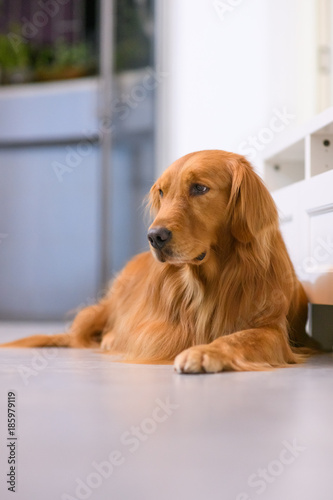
x=85 y=332
x=58 y=340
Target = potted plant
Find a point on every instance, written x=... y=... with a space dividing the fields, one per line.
x=63 y=61
x=15 y=63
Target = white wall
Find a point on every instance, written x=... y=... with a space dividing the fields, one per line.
x=227 y=73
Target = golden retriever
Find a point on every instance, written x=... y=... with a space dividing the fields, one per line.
x=217 y=291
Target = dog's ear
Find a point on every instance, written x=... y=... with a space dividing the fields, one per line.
x=153 y=201
x=251 y=207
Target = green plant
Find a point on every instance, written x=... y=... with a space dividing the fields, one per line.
x=43 y=57
x=63 y=56
x=78 y=54
x=10 y=57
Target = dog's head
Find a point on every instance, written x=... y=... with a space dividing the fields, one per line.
x=206 y=201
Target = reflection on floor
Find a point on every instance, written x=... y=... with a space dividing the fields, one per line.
x=89 y=427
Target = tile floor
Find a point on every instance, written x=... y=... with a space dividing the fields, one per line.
x=88 y=427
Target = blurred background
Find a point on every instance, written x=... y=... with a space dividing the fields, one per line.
x=97 y=97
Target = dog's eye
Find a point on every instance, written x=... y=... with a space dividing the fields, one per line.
x=161 y=193
x=198 y=189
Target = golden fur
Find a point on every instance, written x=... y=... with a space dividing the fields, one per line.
x=221 y=295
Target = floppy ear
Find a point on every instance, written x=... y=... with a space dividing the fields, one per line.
x=252 y=209
x=153 y=201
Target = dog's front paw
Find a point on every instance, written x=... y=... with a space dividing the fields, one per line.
x=201 y=359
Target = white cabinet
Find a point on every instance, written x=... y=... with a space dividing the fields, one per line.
x=299 y=172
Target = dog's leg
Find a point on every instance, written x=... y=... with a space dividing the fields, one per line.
x=246 y=350
x=107 y=341
x=85 y=331
x=87 y=327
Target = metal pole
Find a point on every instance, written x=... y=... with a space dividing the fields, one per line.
x=105 y=117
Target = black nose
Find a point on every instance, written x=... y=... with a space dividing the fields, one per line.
x=159 y=236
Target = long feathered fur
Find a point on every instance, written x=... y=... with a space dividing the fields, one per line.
x=242 y=308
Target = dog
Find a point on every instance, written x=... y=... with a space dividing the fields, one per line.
x=216 y=292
